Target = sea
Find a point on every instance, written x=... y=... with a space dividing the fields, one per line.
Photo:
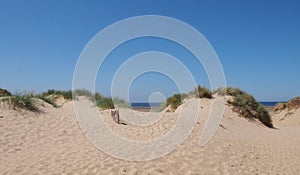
x=270 y=103
x=149 y=105
x=145 y=105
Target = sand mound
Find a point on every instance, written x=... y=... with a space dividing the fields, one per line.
x=59 y=100
x=279 y=107
x=292 y=104
x=287 y=114
x=287 y=118
x=52 y=142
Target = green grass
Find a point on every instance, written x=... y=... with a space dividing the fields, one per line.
x=25 y=101
x=104 y=102
x=246 y=105
x=175 y=100
x=29 y=101
x=66 y=94
x=101 y=101
x=47 y=100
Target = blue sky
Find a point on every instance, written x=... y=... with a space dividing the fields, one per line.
x=258 y=43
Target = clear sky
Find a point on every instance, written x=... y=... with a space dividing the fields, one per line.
x=257 y=42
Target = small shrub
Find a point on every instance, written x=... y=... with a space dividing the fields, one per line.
x=203 y=92
x=234 y=91
x=174 y=101
x=264 y=116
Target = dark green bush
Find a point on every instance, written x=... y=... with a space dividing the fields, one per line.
x=264 y=116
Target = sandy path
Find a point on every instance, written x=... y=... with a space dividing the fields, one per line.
x=52 y=143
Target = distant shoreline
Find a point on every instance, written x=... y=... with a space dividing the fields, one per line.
x=144 y=104
x=146 y=107
x=271 y=103
x=149 y=105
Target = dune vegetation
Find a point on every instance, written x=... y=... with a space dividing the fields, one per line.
x=21 y=101
x=29 y=101
x=246 y=105
x=292 y=104
x=176 y=100
x=203 y=92
x=243 y=103
x=66 y=94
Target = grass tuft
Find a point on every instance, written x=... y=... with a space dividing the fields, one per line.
x=47 y=100
x=66 y=94
x=25 y=101
x=104 y=102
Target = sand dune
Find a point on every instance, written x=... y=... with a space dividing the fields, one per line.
x=287 y=118
x=53 y=143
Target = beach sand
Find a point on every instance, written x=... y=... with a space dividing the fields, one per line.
x=52 y=142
